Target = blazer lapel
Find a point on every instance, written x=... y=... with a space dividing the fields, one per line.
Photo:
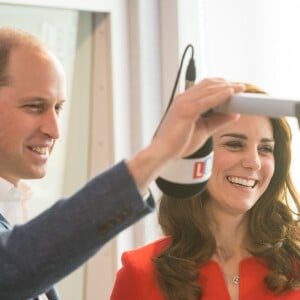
x=4 y=223
x=52 y=293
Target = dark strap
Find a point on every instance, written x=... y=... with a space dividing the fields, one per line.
x=52 y=294
x=298 y=113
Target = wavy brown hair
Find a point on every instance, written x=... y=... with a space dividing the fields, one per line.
x=273 y=230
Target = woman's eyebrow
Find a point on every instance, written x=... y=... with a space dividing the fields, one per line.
x=235 y=135
x=267 y=140
x=244 y=137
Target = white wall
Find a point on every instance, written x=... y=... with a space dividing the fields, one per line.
x=258 y=42
x=254 y=41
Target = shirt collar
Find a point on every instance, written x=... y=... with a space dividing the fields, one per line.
x=13 y=201
x=8 y=191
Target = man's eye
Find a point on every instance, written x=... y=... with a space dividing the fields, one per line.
x=58 y=109
x=35 y=107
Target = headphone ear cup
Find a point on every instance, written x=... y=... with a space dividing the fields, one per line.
x=177 y=190
x=188 y=177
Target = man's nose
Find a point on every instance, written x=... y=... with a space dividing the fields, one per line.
x=51 y=125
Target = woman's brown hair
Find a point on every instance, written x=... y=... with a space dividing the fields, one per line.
x=272 y=230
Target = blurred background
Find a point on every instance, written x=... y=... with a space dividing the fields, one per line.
x=121 y=58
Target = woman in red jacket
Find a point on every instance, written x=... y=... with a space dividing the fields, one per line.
x=239 y=239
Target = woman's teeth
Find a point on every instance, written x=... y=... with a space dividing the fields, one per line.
x=241 y=181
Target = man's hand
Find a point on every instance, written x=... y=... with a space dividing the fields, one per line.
x=184 y=129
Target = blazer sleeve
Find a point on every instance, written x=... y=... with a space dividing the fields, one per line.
x=39 y=253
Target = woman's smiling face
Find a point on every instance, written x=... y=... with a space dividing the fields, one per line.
x=243 y=163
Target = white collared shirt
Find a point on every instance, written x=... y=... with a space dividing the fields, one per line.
x=11 y=202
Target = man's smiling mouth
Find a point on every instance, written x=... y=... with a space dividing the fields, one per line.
x=40 y=150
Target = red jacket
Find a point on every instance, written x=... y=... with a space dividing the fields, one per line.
x=136 y=279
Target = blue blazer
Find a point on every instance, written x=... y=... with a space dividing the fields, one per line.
x=36 y=255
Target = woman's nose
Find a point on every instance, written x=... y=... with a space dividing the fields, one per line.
x=251 y=161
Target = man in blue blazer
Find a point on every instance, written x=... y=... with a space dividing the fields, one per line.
x=39 y=253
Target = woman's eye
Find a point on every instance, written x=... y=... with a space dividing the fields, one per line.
x=234 y=145
x=266 y=149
